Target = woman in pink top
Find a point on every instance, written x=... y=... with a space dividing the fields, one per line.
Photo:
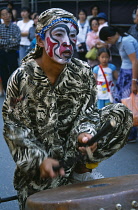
x=93 y=40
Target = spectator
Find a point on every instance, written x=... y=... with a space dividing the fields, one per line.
x=105 y=83
x=94 y=12
x=128 y=76
x=102 y=19
x=83 y=25
x=33 y=14
x=50 y=107
x=93 y=40
x=24 y=26
x=10 y=5
x=31 y=33
x=134 y=28
x=9 y=44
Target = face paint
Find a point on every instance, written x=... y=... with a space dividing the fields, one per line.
x=60 y=41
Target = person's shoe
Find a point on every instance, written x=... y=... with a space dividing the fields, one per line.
x=131 y=141
x=88 y=176
x=95 y=174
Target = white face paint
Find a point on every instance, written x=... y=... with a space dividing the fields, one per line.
x=60 y=41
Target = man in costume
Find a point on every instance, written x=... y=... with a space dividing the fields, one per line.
x=50 y=107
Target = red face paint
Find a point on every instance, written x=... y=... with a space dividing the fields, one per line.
x=50 y=46
x=60 y=41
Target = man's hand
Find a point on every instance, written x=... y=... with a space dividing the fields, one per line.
x=83 y=138
x=46 y=168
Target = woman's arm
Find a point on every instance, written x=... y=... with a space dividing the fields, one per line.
x=134 y=87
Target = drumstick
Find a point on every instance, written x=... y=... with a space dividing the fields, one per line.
x=105 y=129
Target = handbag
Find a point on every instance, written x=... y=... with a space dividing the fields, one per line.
x=107 y=85
x=132 y=103
x=92 y=54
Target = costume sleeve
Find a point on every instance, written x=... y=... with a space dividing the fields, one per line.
x=26 y=151
x=88 y=120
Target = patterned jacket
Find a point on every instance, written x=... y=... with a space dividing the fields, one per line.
x=43 y=120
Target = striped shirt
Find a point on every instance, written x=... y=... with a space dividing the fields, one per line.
x=9 y=37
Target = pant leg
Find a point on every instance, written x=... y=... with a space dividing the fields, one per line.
x=133 y=133
x=4 y=70
x=116 y=138
x=12 y=60
x=22 y=52
x=102 y=103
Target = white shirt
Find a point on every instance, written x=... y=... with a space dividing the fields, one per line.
x=24 y=27
x=101 y=26
x=101 y=84
x=81 y=37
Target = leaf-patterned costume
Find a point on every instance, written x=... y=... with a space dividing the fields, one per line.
x=43 y=120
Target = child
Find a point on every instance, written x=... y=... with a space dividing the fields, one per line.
x=105 y=83
x=102 y=19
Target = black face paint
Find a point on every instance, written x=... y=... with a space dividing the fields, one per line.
x=58 y=43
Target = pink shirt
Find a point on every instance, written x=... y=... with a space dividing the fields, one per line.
x=92 y=39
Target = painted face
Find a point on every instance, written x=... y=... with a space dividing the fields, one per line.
x=60 y=41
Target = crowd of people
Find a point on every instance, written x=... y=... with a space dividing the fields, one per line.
x=112 y=85
x=51 y=110
x=17 y=38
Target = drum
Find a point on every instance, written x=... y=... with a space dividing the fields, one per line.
x=102 y=194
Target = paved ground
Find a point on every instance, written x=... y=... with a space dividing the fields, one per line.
x=122 y=163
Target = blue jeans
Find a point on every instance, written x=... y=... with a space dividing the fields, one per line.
x=133 y=133
x=22 y=52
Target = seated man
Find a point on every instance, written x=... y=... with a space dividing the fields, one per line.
x=50 y=107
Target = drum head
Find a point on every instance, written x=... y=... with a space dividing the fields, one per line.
x=91 y=195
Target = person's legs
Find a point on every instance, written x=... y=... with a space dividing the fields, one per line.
x=4 y=70
x=123 y=85
x=118 y=136
x=133 y=135
x=22 y=52
x=123 y=90
x=102 y=103
x=112 y=142
x=12 y=61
